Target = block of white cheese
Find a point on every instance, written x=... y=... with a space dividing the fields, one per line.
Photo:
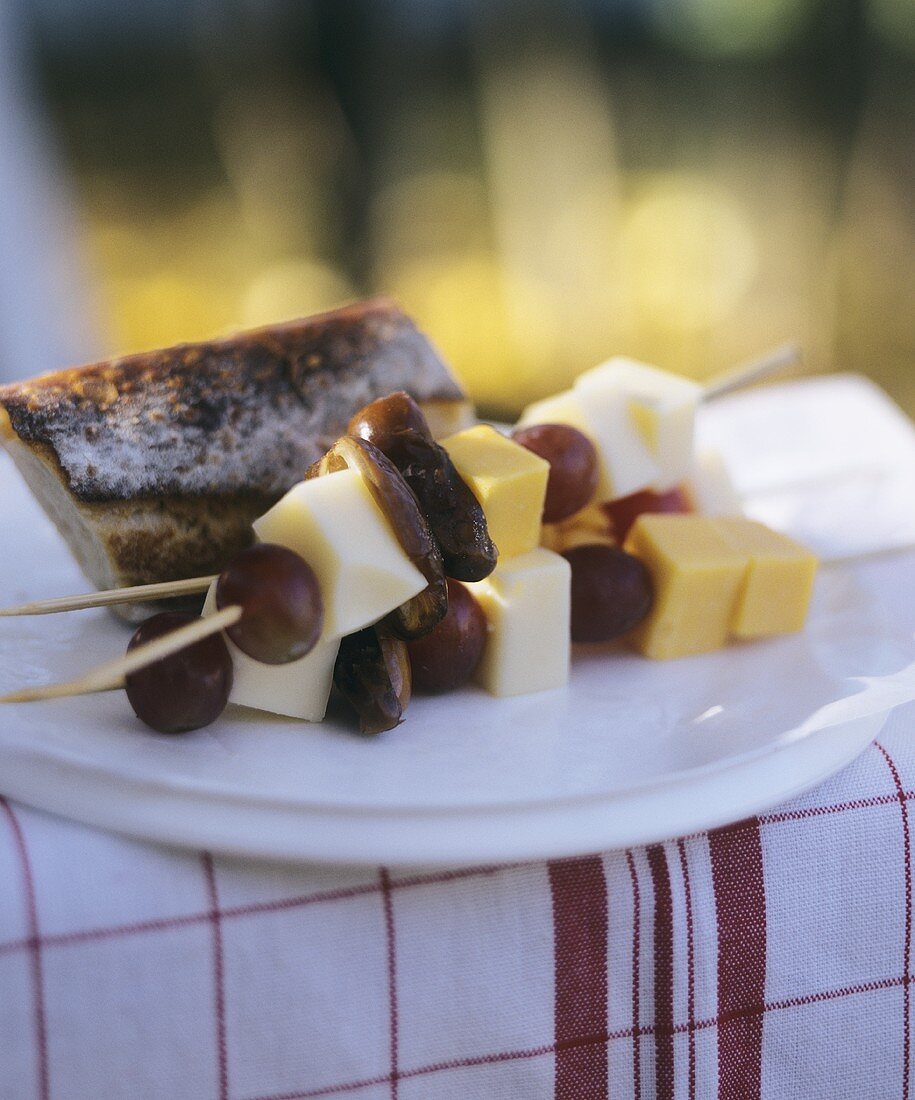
x=625 y=463
x=526 y=601
x=712 y=488
x=335 y=525
x=660 y=406
x=299 y=689
x=561 y=408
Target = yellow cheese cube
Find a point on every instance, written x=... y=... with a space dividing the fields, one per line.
x=775 y=593
x=697 y=575
x=299 y=689
x=508 y=480
x=336 y=526
x=526 y=601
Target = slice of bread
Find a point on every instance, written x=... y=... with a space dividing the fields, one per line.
x=154 y=466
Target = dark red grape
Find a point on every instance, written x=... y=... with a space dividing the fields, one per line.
x=279 y=594
x=624 y=511
x=573 y=467
x=446 y=658
x=185 y=691
x=611 y=592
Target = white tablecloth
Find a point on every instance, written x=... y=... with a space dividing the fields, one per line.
x=769 y=959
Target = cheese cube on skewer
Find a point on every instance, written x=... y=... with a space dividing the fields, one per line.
x=526 y=601
x=660 y=406
x=778 y=583
x=336 y=526
x=299 y=689
x=697 y=576
x=508 y=480
x=718 y=578
x=561 y=408
x=625 y=464
x=641 y=421
x=712 y=487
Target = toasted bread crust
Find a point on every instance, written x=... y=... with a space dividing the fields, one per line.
x=244 y=414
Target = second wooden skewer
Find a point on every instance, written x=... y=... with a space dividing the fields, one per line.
x=141 y=593
x=111 y=675
x=782 y=359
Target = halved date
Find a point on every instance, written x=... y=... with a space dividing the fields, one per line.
x=396 y=425
x=373 y=674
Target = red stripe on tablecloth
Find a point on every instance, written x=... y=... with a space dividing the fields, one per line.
x=690 y=969
x=907 y=943
x=39 y=1018
x=740 y=909
x=579 y=893
x=636 y=978
x=165 y=924
x=663 y=972
x=219 y=983
x=391 y=942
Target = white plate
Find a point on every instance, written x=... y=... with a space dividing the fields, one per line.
x=632 y=752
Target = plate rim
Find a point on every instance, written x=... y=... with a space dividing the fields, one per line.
x=317 y=836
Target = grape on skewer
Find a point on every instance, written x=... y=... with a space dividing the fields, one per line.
x=573 y=467
x=186 y=690
x=178 y=670
x=282 y=603
x=447 y=658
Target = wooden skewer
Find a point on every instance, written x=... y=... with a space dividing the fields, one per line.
x=138 y=594
x=783 y=358
x=778 y=360
x=111 y=674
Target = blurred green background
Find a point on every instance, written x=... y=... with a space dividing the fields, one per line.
x=541 y=185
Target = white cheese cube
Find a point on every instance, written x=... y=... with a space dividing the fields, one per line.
x=712 y=488
x=526 y=601
x=561 y=408
x=660 y=406
x=336 y=526
x=625 y=463
x=299 y=689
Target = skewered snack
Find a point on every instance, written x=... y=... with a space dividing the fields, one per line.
x=375 y=547
x=641 y=420
x=154 y=467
